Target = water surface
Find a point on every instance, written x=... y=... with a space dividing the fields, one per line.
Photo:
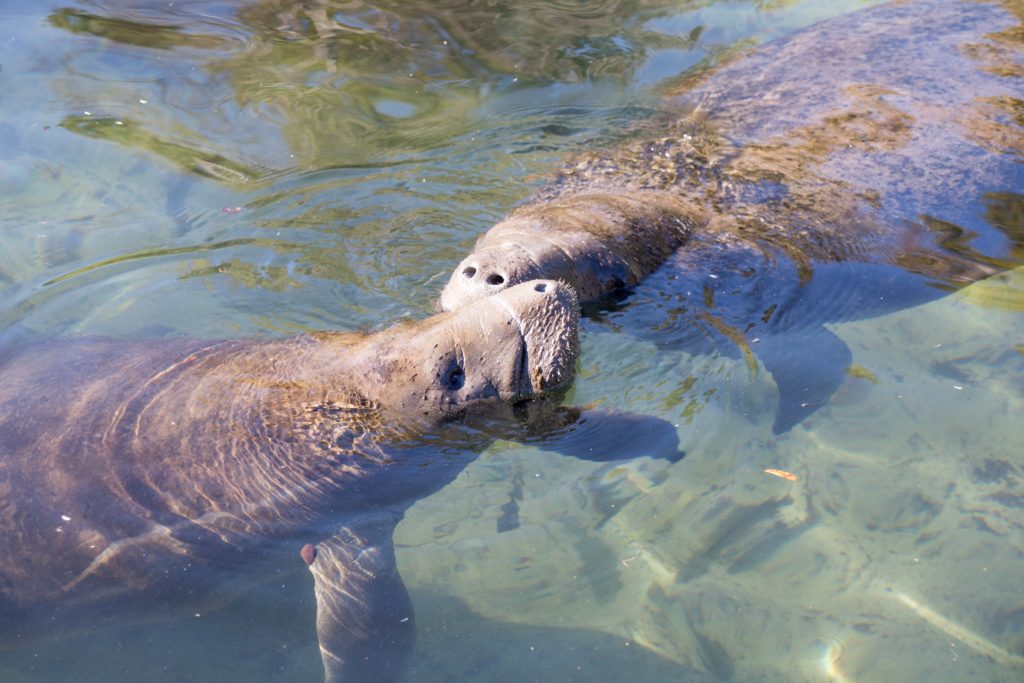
x=223 y=169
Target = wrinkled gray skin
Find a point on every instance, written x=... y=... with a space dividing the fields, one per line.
x=138 y=478
x=871 y=159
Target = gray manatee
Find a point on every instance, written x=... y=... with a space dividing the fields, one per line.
x=597 y=242
x=867 y=163
x=140 y=478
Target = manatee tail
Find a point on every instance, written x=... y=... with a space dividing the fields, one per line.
x=364 y=618
x=808 y=366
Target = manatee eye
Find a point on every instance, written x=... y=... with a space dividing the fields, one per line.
x=454 y=377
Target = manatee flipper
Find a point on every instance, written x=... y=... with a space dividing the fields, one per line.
x=364 y=618
x=808 y=366
x=599 y=434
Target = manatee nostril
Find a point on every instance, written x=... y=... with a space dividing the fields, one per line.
x=454 y=376
x=540 y=287
x=495 y=279
x=469 y=272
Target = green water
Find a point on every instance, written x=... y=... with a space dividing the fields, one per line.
x=223 y=169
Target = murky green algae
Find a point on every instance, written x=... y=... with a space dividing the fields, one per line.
x=1004 y=291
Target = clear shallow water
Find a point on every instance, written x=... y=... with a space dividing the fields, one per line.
x=218 y=169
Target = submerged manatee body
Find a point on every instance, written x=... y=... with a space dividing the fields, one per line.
x=144 y=477
x=867 y=163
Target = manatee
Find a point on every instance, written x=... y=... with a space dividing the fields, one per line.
x=868 y=163
x=141 y=478
x=597 y=242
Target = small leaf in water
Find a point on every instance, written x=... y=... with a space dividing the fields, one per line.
x=782 y=474
x=861 y=372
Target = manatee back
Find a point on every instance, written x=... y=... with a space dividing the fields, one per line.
x=889 y=135
x=65 y=494
x=909 y=104
x=60 y=390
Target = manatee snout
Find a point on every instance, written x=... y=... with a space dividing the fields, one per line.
x=546 y=313
x=488 y=271
x=521 y=343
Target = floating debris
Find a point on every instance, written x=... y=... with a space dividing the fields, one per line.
x=782 y=474
x=861 y=372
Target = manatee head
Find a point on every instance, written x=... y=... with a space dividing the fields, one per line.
x=489 y=270
x=519 y=344
x=597 y=243
x=517 y=250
